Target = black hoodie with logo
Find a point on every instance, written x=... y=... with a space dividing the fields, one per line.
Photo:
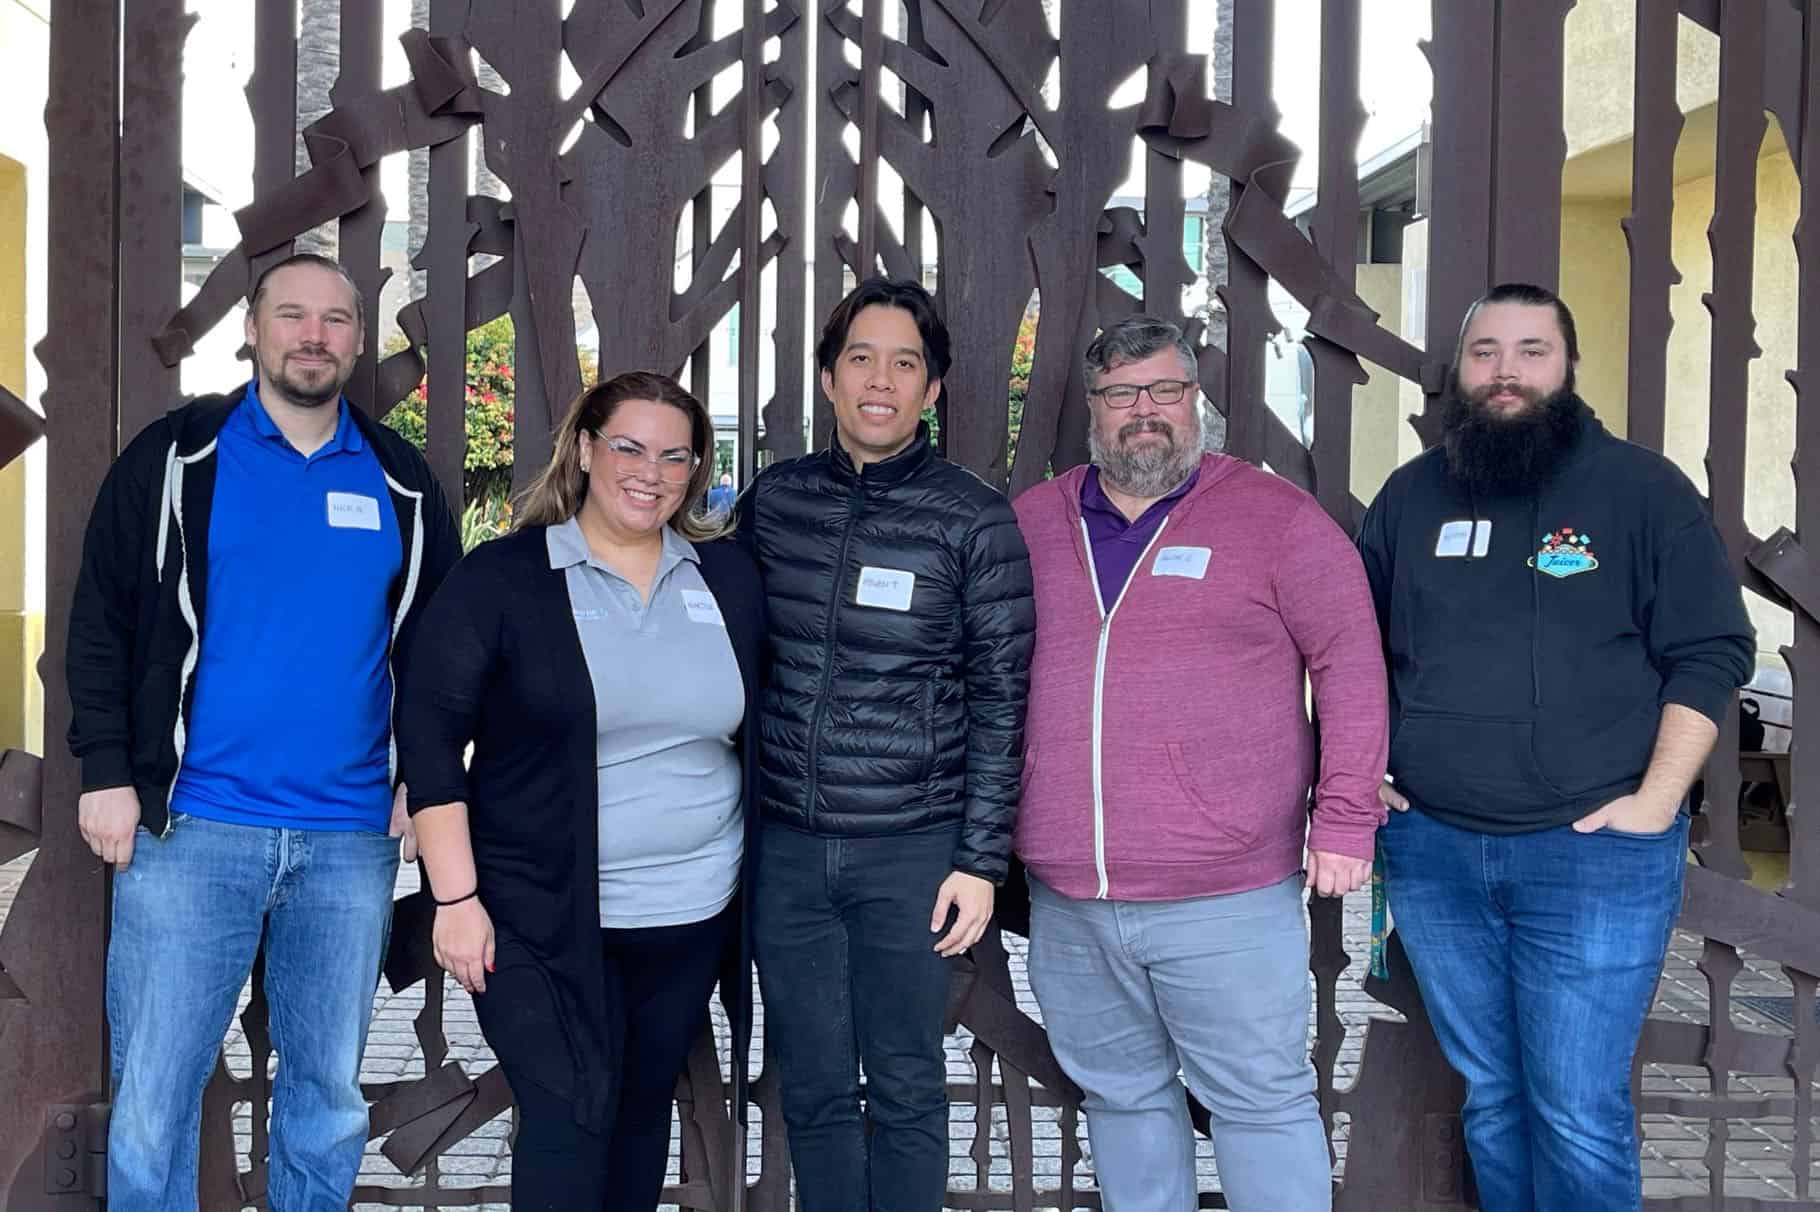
x=1533 y=639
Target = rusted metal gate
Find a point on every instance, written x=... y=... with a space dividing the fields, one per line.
x=1018 y=180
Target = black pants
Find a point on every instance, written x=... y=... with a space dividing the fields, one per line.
x=850 y=977
x=663 y=977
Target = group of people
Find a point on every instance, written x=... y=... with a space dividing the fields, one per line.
x=640 y=743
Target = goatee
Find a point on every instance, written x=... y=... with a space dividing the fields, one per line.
x=1497 y=455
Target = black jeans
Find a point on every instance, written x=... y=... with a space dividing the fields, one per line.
x=663 y=976
x=849 y=974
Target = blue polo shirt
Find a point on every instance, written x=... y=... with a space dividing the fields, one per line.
x=291 y=722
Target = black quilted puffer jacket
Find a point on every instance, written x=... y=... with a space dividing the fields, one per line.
x=901 y=627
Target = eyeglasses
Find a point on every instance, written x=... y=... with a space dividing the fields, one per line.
x=673 y=466
x=1124 y=395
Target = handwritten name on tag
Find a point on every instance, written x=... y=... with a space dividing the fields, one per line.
x=1188 y=562
x=702 y=607
x=352 y=511
x=885 y=588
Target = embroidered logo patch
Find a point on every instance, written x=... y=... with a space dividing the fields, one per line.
x=1565 y=553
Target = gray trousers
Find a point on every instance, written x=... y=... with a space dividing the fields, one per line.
x=1214 y=988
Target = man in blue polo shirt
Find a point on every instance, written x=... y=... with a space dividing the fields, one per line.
x=251 y=572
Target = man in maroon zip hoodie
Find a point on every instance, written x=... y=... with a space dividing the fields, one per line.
x=1184 y=603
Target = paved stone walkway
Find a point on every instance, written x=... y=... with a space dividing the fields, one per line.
x=1758 y=1155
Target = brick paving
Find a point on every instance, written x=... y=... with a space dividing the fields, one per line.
x=1758 y=1155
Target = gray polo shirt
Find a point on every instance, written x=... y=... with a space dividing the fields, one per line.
x=667 y=701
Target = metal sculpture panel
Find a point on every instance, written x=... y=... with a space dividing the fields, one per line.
x=996 y=118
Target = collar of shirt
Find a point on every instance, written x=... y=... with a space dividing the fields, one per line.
x=347 y=438
x=1105 y=519
x=569 y=546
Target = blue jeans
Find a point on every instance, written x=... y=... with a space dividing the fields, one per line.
x=1538 y=956
x=849 y=974
x=1214 y=987
x=189 y=913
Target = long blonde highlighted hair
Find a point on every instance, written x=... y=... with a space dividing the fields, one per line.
x=556 y=494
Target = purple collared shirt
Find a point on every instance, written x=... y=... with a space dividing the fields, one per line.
x=1117 y=543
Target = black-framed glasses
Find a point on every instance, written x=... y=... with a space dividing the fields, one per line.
x=673 y=466
x=1124 y=395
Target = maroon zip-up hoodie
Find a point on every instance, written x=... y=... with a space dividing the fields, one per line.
x=1169 y=751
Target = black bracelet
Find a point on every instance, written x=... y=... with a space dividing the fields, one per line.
x=445 y=904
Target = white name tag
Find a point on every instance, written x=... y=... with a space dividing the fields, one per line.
x=702 y=607
x=1457 y=538
x=1182 y=562
x=351 y=511
x=886 y=588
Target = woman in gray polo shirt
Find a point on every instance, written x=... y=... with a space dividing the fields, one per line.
x=588 y=863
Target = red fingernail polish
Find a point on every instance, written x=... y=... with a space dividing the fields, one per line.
x=489 y=966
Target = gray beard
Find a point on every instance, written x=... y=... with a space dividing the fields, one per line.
x=1149 y=470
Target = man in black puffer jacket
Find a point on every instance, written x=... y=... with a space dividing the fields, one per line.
x=901 y=628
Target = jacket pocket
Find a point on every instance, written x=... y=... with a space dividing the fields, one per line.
x=1487 y=767
x=1235 y=821
x=928 y=730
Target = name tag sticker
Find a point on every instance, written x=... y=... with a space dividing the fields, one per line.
x=1455 y=538
x=702 y=607
x=885 y=588
x=1481 y=539
x=352 y=511
x=1190 y=562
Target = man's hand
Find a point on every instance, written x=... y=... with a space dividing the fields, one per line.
x=1336 y=874
x=1632 y=814
x=401 y=827
x=107 y=819
x=1393 y=799
x=971 y=897
x=462 y=941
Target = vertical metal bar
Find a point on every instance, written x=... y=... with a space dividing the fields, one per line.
x=785 y=186
x=1459 y=228
x=752 y=233
x=872 y=53
x=1732 y=237
x=1530 y=145
x=701 y=217
x=836 y=184
x=151 y=203
x=445 y=261
x=1166 y=271
x=1648 y=229
x=53 y=1041
x=1335 y=231
x=1249 y=319
x=362 y=40
x=271 y=96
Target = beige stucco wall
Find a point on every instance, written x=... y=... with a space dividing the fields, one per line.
x=1601 y=66
x=24 y=64
x=1377 y=411
x=1595 y=282
x=1769 y=483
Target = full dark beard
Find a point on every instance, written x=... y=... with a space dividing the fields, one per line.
x=1501 y=456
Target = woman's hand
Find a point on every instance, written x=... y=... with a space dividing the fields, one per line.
x=462 y=939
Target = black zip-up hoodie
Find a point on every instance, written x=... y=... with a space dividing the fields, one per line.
x=136 y=621
x=1529 y=664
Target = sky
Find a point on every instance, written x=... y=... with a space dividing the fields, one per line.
x=1394 y=80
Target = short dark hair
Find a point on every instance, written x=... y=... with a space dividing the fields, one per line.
x=320 y=262
x=903 y=294
x=1530 y=295
x=1132 y=339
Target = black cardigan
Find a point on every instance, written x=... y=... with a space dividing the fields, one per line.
x=501 y=665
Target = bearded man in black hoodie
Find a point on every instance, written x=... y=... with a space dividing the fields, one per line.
x=1564 y=632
